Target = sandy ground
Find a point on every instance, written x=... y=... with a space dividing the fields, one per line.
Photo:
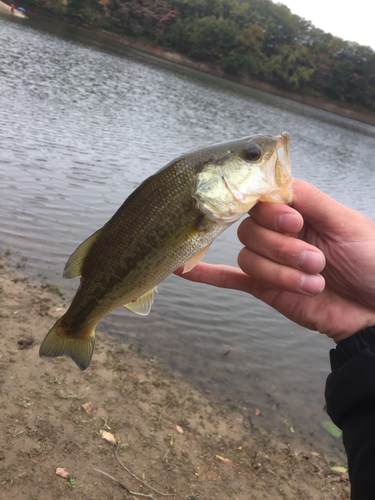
x=169 y=439
x=4 y=8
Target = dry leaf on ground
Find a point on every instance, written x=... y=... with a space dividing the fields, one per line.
x=225 y=460
x=60 y=471
x=108 y=436
x=89 y=408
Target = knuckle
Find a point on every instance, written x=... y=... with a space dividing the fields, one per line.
x=288 y=278
x=243 y=259
x=280 y=250
x=244 y=229
x=285 y=251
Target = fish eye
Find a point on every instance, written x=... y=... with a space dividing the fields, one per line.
x=253 y=153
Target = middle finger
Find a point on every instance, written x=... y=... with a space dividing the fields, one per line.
x=280 y=248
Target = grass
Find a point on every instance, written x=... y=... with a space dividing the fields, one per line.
x=18 y=280
x=235 y=405
x=71 y=481
x=54 y=287
x=21 y=265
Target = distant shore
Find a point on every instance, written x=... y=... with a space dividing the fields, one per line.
x=4 y=8
x=244 y=80
x=212 y=69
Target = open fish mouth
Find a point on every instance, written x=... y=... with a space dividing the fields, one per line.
x=283 y=152
x=228 y=188
x=279 y=172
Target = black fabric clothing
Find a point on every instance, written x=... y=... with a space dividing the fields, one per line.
x=350 y=397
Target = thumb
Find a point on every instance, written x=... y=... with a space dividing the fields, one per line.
x=323 y=212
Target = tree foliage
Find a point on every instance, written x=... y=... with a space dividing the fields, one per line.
x=255 y=38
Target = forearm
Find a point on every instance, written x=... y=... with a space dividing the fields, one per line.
x=350 y=396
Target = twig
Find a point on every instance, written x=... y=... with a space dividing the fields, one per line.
x=125 y=487
x=150 y=440
x=141 y=433
x=140 y=480
x=270 y=471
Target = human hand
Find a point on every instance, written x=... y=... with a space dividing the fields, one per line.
x=314 y=263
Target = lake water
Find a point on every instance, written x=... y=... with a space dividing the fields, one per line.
x=83 y=121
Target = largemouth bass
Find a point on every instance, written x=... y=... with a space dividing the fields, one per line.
x=169 y=220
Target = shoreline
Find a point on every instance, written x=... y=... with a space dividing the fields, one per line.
x=212 y=69
x=166 y=432
x=243 y=80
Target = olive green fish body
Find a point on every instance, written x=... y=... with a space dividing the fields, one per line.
x=171 y=217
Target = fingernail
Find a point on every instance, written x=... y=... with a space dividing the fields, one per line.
x=289 y=223
x=311 y=284
x=311 y=262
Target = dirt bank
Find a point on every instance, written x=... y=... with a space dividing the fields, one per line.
x=167 y=434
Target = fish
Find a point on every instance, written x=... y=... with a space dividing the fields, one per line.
x=170 y=220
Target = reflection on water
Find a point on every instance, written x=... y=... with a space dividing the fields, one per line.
x=84 y=121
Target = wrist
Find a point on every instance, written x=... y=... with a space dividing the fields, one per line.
x=351 y=385
x=363 y=340
x=354 y=327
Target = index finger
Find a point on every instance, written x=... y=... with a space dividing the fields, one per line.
x=217 y=275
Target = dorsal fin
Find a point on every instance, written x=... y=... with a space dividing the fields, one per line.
x=73 y=267
x=143 y=305
x=195 y=259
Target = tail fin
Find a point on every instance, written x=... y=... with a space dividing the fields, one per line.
x=57 y=343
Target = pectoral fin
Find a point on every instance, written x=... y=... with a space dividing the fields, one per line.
x=195 y=259
x=74 y=264
x=143 y=305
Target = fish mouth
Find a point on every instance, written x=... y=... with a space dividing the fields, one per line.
x=283 y=151
x=283 y=169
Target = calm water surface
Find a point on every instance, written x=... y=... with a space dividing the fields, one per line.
x=84 y=121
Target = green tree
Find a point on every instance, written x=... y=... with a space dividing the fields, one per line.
x=246 y=56
x=249 y=37
x=292 y=66
x=341 y=72
x=212 y=38
x=149 y=18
